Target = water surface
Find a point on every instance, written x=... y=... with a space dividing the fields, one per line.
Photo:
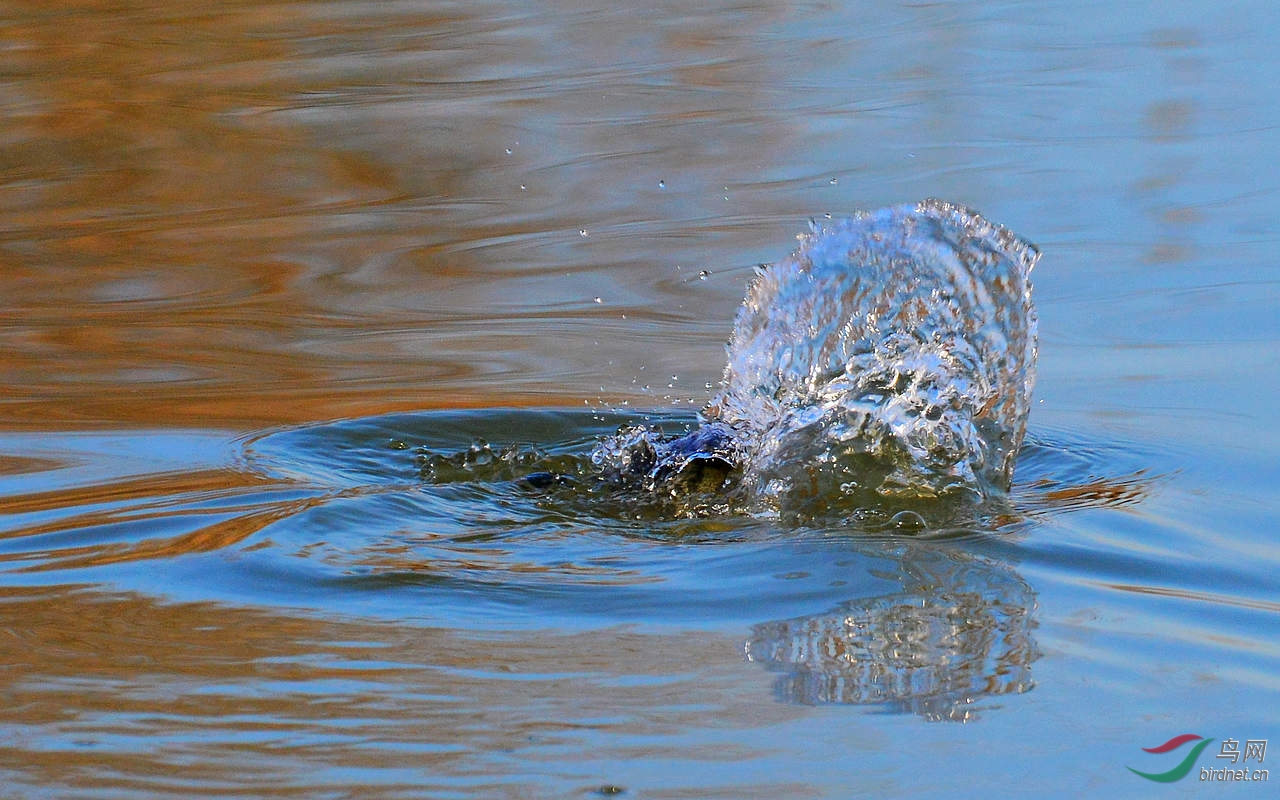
x=261 y=262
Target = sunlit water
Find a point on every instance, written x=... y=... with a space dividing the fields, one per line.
x=298 y=296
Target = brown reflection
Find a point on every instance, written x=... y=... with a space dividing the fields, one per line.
x=1171 y=123
x=1168 y=119
x=245 y=213
x=109 y=523
x=160 y=487
x=1062 y=471
x=119 y=694
x=206 y=538
x=157 y=217
x=1269 y=606
x=1100 y=492
x=958 y=633
x=23 y=465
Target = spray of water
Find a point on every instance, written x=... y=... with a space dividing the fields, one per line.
x=893 y=353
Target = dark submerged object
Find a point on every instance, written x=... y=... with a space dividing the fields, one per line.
x=892 y=355
x=707 y=459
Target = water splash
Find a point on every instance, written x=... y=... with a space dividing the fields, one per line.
x=893 y=354
x=889 y=360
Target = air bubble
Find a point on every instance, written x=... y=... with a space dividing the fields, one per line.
x=908 y=521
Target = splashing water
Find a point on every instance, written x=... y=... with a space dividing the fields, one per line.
x=893 y=351
x=891 y=356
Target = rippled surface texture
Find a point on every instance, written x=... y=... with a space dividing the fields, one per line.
x=315 y=313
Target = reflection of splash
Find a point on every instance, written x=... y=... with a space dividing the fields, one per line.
x=958 y=631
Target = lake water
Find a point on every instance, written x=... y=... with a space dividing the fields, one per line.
x=260 y=263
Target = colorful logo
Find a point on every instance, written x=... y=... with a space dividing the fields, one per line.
x=1179 y=772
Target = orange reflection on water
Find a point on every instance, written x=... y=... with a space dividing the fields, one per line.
x=274 y=213
x=232 y=700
